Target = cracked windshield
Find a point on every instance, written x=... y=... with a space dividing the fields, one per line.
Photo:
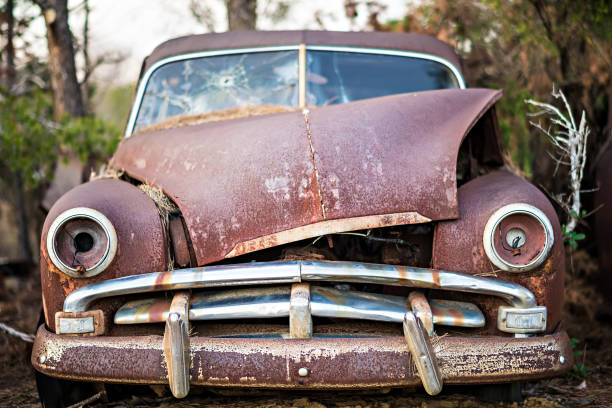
x=201 y=86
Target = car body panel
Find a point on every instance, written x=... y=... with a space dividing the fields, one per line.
x=238 y=180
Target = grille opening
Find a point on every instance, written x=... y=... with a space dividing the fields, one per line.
x=400 y=245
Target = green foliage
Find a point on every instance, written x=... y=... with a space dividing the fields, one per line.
x=579 y=367
x=572 y=237
x=512 y=113
x=31 y=142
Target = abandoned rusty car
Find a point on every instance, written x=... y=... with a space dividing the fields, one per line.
x=310 y=210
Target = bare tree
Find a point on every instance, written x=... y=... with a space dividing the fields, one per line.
x=241 y=14
x=67 y=96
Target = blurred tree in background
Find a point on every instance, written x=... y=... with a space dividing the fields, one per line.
x=41 y=124
x=524 y=46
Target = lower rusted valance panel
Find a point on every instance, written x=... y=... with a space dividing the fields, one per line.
x=277 y=363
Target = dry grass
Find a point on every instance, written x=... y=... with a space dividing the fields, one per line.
x=106 y=172
x=225 y=114
x=164 y=206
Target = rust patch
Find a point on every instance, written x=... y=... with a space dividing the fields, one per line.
x=139 y=231
x=163 y=279
x=315 y=174
x=435 y=277
x=458 y=244
x=274 y=363
x=324 y=228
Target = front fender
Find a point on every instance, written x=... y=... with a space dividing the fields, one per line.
x=458 y=244
x=141 y=246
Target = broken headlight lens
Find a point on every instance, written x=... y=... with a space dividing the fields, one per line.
x=518 y=237
x=81 y=242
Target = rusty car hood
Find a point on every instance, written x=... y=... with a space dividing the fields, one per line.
x=252 y=183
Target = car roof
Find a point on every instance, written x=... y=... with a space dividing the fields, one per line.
x=248 y=39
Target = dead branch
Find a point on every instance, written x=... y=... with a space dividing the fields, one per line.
x=570 y=149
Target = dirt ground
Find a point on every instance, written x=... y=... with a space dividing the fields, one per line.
x=589 y=384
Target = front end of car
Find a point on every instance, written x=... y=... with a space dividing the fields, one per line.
x=396 y=300
x=370 y=244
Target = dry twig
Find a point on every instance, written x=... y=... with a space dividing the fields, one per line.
x=570 y=142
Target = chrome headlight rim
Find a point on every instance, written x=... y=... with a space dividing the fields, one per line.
x=491 y=227
x=95 y=216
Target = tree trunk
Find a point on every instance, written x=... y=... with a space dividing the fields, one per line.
x=241 y=14
x=67 y=97
x=23 y=233
x=9 y=79
x=23 y=236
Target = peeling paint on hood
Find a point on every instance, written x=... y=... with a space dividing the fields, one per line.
x=241 y=179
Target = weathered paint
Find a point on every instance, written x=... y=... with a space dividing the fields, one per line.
x=327 y=227
x=300 y=319
x=458 y=244
x=274 y=363
x=141 y=239
x=269 y=174
x=418 y=304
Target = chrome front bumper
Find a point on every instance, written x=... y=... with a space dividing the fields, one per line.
x=299 y=303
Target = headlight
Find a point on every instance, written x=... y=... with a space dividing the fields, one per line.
x=81 y=242
x=518 y=237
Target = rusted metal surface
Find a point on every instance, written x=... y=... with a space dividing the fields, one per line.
x=269 y=174
x=176 y=345
x=331 y=362
x=141 y=241
x=96 y=317
x=247 y=39
x=326 y=227
x=300 y=319
x=458 y=244
x=421 y=309
x=180 y=245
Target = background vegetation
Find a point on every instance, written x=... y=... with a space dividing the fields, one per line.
x=51 y=110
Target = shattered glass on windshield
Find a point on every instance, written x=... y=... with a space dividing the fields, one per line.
x=203 y=85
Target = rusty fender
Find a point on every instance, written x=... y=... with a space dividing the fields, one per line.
x=139 y=231
x=274 y=363
x=458 y=244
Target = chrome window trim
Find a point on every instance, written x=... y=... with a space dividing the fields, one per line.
x=129 y=130
x=396 y=53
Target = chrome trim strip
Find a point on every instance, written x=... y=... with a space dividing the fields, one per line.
x=202 y=277
x=397 y=53
x=272 y=302
x=422 y=354
x=176 y=346
x=142 y=85
x=267 y=273
x=409 y=276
